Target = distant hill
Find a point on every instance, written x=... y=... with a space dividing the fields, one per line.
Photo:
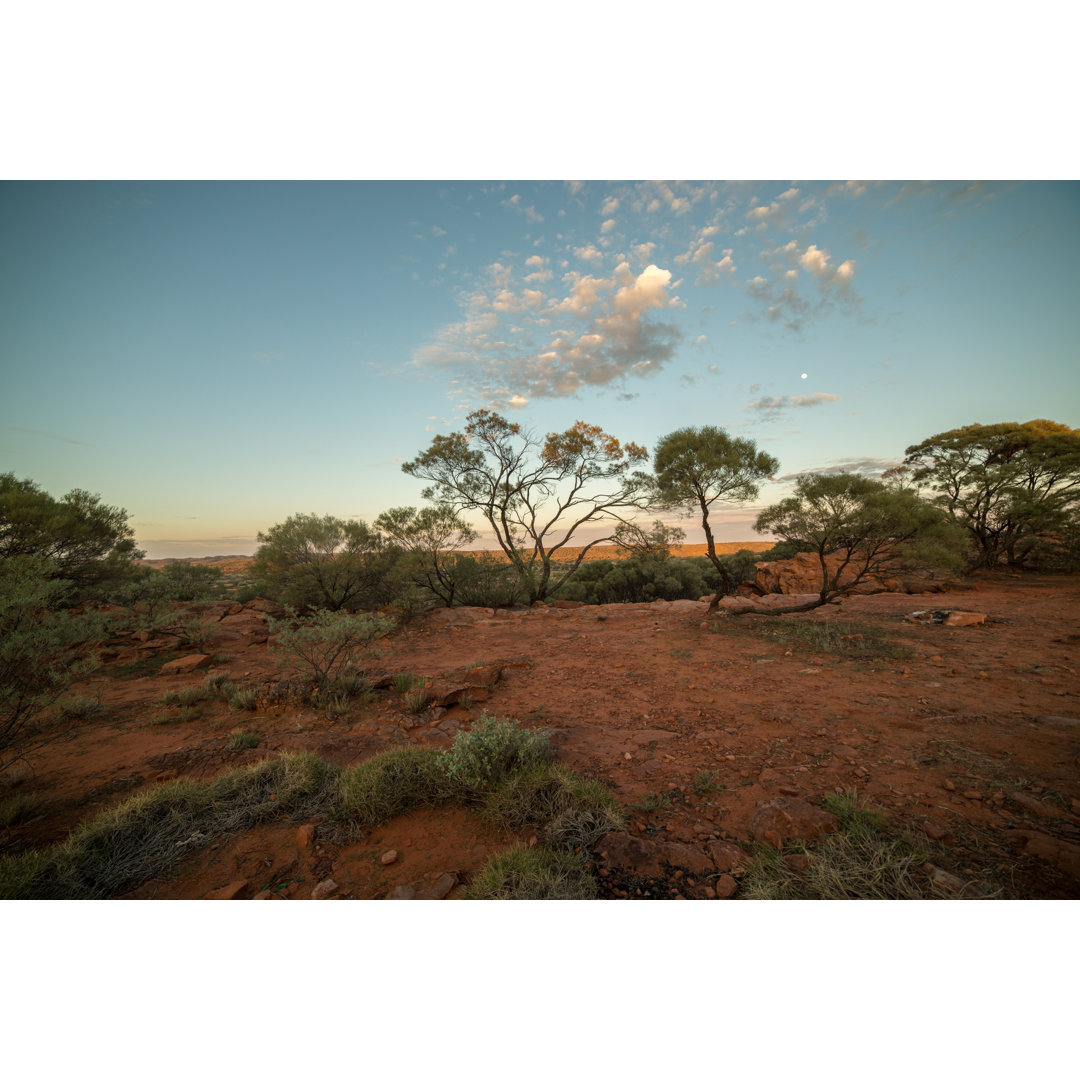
x=241 y=564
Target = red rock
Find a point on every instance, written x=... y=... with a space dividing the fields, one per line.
x=965 y=618
x=1060 y=853
x=305 y=836
x=388 y=857
x=267 y=606
x=728 y=856
x=726 y=887
x=693 y=859
x=1036 y=806
x=486 y=675
x=786 y=818
x=439 y=889
x=402 y=892
x=234 y=891
x=635 y=853
x=798 y=861
x=184 y=664
x=935 y=832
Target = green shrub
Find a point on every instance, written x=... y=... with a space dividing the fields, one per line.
x=480 y=759
x=42 y=649
x=536 y=873
x=82 y=707
x=393 y=782
x=328 y=644
x=243 y=740
x=572 y=811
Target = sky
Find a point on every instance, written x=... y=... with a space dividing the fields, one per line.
x=215 y=356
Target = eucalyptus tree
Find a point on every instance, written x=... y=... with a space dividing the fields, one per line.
x=1004 y=483
x=536 y=493
x=875 y=527
x=696 y=468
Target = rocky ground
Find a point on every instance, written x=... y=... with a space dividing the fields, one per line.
x=710 y=729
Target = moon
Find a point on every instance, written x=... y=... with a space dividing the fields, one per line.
x=803 y=376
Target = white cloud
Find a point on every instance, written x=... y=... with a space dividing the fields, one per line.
x=590 y=253
x=643 y=252
x=595 y=335
x=608 y=225
x=776 y=404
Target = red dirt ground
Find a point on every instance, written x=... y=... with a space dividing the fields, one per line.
x=973 y=740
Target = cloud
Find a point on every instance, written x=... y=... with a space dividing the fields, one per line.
x=773 y=406
x=817 y=262
x=867 y=466
x=611 y=204
x=608 y=225
x=530 y=212
x=602 y=332
x=590 y=253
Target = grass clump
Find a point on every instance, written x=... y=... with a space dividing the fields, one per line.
x=243 y=740
x=17 y=808
x=82 y=707
x=537 y=873
x=855 y=641
x=479 y=760
x=863 y=860
x=153 y=830
x=572 y=811
x=417 y=699
x=393 y=782
x=706 y=783
x=242 y=700
x=403 y=682
x=191 y=695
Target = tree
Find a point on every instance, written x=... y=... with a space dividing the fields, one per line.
x=876 y=527
x=1004 y=483
x=82 y=540
x=431 y=536
x=322 y=562
x=42 y=649
x=697 y=467
x=535 y=494
x=654 y=544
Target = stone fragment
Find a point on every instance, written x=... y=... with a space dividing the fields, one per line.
x=305 y=836
x=324 y=889
x=182 y=665
x=388 y=857
x=1036 y=806
x=402 y=892
x=268 y=607
x=798 y=861
x=233 y=891
x=935 y=832
x=786 y=818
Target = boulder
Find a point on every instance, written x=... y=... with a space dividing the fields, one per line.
x=266 y=606
x=486 y=675
x=787 y=818
x=802 y=574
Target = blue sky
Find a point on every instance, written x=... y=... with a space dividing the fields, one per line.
x=217 y=356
